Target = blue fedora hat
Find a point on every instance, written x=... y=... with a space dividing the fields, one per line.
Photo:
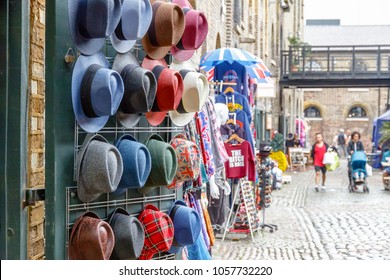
x=136 y=163
x=187 y=225
x=97 y=91
x=91 y=21
x=134 y=23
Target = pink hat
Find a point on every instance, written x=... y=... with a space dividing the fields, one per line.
x=195 y=32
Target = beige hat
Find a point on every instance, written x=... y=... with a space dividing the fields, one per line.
x=196 y=91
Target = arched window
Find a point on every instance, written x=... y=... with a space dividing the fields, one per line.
x=357 y=112
x=312 y=112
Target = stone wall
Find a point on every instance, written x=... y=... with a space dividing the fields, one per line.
x=36 y=128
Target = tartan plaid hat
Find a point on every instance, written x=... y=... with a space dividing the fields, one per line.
x=159 y=232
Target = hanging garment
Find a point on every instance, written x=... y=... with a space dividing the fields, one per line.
x=243 y=122
x=241 y=161
x=194 y=205
x=203 y=128
x=228 y=130
x=235 y=101
x=235 y=73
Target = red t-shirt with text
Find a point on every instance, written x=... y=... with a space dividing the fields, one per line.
x=241 y=161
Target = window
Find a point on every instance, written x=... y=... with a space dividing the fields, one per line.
x=357 y=112
x=312 y=112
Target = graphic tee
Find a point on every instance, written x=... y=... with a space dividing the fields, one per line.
x=241 y=161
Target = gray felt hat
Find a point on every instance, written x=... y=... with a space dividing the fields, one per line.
x=99 y=168
x=91 y=21
x=129 y=235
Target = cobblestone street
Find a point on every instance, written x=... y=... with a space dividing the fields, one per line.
x=325 y=225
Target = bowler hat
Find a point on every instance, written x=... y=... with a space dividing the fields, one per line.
x=97 y=91
x=91 y=238
x=169 y=89
x=99 y=168
x=140 y=87
x=158 y=229
x=136 y=163
x=188 y=161
x=164 y=164
x=187 y=224
x=195 y=32
x=165 y=30
x=129 y=235
x=91 y=21
x=196 y=91
x=134 y=23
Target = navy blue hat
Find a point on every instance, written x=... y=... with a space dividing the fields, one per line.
x=136 y=163
x=187 y=225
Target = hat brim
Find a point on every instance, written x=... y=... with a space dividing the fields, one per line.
x=149 y=63
x=87 y=46
x=154 y=52
x=91 y=125
x=81 y=193
x=182 y=55
x=181 y=119
x=155 y=118
x=121 y=46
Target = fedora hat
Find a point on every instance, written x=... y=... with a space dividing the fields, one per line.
x=91 y=21
x=136 y=163
x=97 y=91
x=196 y=91
x=140 y=88
x=91 y=238
x=164 y=164
x=165 y=30
x=158 y=229
x=187 y=224
x=188 y=161
x=134 y=23
x=99 y=168
x=169 y=89
x=190 y=64
x=129 y=235
x=195 y=31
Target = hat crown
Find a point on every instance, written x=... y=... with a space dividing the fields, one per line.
x=95 y=17
x=135 y=21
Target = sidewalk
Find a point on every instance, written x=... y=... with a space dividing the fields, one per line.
x=330 y=224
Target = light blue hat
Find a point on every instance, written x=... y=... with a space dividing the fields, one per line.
x=187 y=225
x=97 y=91
x=136 y=163
x=135 y=22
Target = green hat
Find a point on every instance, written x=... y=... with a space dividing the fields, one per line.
x=164 y=164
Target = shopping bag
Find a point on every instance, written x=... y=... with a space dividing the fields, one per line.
x=368 y=170
x=329 y=158
x=335 y=164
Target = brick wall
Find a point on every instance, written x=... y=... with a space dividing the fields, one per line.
x=36 y=127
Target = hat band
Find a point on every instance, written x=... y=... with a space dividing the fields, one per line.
x=119 y=31
x=152 y=29
x=86 y=92
x=157 y=70
x=180 y=109
x=180 y=43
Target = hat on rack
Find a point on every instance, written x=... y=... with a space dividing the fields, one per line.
x=222 y=112
x=158 y=229
x=136 y=163
x=91 y=239
x=99 y=168
x=169 y=89
x=129 y=235
x=91 y=21
x=97 y=91
x=135 y=22
x=140 y=88
x=165 y=30
x=187 y=224
x=195 y=32
x=188 y=161
x=164 y=164
x=189 y=64
x=196 y=91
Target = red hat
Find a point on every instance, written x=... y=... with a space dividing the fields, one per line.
x=169 y=89
x=159 y=232
x=195 y=32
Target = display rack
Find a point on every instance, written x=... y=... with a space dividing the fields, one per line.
x=297 y=158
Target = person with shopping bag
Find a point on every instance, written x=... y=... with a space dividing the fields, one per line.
x=318 y=151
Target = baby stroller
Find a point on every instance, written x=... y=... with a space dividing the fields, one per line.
x=357 y=171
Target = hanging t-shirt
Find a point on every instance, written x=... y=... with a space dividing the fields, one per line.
x=241 y=161
x=228 y=130
x=233 y=73
x=235 y=101
x=243 y=122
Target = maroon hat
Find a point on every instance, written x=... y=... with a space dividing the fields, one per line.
x=159 y=232
x=195 y=32
x=169 y=89
x=91 y=239
x=165 y=30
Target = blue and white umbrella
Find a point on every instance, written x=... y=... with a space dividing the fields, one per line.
x=229 y=55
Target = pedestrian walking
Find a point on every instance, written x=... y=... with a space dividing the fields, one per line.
x=318 y=151
x=353 y=145
x=342 y=143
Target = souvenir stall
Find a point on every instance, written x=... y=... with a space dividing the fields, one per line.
x=144 y=146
